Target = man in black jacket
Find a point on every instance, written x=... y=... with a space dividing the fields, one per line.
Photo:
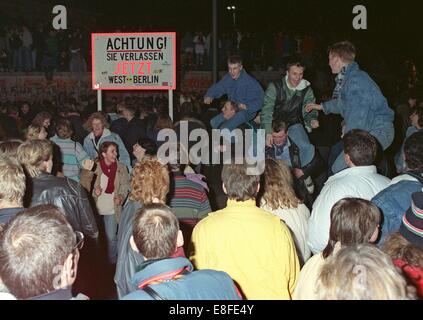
x=130 y=128
x=69 y=196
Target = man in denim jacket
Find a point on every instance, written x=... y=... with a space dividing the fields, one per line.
x=357 y=98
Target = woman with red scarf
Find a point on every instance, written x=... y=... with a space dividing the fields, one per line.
x=110 y=190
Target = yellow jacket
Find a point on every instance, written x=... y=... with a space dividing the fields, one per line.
x=254 y=247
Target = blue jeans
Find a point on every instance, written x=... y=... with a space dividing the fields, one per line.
x=298 y=135
x=242 y=116
x=111 y=228
x=384 y=136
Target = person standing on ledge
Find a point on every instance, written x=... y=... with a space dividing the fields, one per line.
x=357 y=98
x=241 y=88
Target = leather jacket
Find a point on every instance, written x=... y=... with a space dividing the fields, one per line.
x=70 y=197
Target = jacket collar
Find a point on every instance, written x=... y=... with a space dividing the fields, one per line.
x=356 y=171
x=353 y=66
x=302 y=85
x=60 y=294
x=106 y=132
x=160 y=269
x=8 y=213
x=247 y=203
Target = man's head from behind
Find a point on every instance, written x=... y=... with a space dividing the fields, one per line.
x=37 y=252
x=156 y=233
x=360 y=148
x=36 y=156
x=413 y=151
x=235 y=66
x=237 y=184
x=12 y=183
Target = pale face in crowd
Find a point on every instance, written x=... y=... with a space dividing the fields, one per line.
x=414 y=120
x=43 y=134
x=46 y=123
x=295 y=75
x=234 y=70
x=279 y=138
x=228 y=111
x=110 y=155
x=335 y=63
x=98 y=127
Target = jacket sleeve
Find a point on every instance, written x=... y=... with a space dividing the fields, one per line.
x=333 y=106
x=288 y=259
x=254 y=98
x=218 y=89
x=88 y=223
x=198 y=251
x=86 y=179
x=266 y=114
x=308 y=116
x=124 y=184
x=204 y=208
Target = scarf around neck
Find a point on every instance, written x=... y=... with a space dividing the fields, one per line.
x=339 y=82
x=110 y=172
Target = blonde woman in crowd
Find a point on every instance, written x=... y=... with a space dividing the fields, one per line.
x=279 y=198
x=362 y=272
x=36 y=132
x=353 y=221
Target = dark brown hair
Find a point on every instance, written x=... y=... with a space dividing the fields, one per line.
x=278 y=124
x=361 y=147
x=105 y=146
x=413 y=151
x=155 y=231
x=235 y=59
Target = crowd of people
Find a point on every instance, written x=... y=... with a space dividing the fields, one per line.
x=336 y=214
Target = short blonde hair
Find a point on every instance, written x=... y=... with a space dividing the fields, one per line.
x=362 y=272
x=96 y=115
x=150 y=179
x=32 y=154
x=33 y=132
x=279 y=185
x=13 y=180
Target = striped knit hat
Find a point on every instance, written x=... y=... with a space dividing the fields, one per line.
x=412 y=222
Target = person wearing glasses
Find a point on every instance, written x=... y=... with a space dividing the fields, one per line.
x=39 y=254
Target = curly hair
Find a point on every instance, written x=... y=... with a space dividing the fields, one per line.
x=397 y=247
x=40 y=117
x=99 y=116
x=278 y=186
x=150 y=179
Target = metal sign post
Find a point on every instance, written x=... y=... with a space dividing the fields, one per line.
x=99 y=102
x=171 y=104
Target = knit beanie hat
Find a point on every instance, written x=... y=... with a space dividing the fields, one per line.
x=412 y=222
